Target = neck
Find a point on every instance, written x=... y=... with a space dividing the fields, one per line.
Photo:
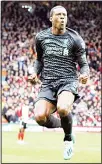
x=57 y=31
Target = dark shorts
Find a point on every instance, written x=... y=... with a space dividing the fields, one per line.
x=51 y=92
x=24 y=125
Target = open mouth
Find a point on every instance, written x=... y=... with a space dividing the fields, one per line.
x=62 y=22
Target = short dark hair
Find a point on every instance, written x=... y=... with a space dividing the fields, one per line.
x=55 y=7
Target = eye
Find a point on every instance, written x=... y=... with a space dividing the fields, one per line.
x=64 y=14
x=58 y=14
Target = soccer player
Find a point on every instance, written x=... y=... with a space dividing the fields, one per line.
x=23 y=121
x=58 y=50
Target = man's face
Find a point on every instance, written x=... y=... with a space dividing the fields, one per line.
x=59 y=18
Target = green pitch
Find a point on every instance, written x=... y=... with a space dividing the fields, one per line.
x=47 y=147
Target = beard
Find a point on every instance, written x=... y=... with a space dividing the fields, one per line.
x=62 y=26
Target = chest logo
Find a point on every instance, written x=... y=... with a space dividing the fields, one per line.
x=65 y=52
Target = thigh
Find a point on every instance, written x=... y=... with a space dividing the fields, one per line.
x=70 y=87
x=65 y=100
x=48 y=94
x=43 y=108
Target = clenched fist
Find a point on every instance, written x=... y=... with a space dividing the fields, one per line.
x=83 y=78
x=33 y=78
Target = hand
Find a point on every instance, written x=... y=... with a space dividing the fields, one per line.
x=83 y=78
x=33 y=78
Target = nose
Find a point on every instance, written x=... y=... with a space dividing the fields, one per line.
x=62 y=16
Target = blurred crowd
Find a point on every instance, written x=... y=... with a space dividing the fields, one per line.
x=19 y=26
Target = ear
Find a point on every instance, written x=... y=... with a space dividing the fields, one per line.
x=50 y=19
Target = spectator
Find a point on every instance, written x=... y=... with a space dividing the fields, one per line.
x=19 y=26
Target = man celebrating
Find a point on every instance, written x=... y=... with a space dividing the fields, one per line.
x=58 y=50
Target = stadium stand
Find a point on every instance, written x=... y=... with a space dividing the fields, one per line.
x=20 y=23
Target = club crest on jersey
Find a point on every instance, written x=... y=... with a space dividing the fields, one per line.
x=65 y=52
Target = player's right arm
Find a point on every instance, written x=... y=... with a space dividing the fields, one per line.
x=38 y=64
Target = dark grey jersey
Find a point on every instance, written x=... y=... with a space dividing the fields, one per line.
x=57 y=55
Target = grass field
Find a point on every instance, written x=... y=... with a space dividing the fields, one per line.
x=47 y=147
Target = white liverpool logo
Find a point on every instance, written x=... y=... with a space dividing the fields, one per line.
x=65 y=52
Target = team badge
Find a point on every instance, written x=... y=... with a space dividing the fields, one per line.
x=65 y=52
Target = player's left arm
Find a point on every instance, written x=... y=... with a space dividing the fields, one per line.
x=82 y=60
